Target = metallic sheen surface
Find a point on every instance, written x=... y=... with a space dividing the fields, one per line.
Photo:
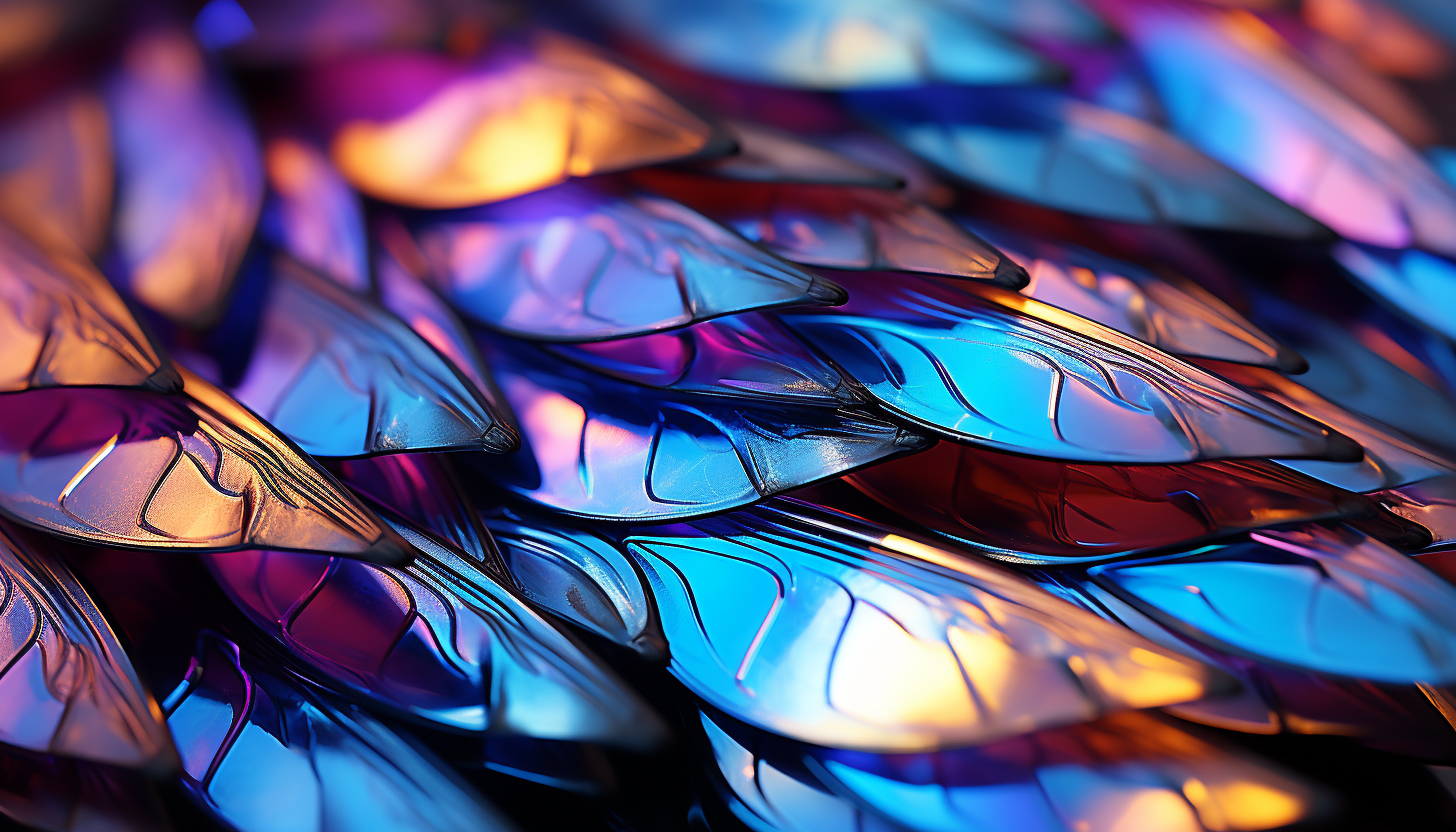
x=189 y=178
x=423 y=130
x=1419 y=284
x=604 y=449
x=816 y=626
x=1041 y=145
x=191 y=471
x=1175 y=315
x=1028 y=510
x=264 y=754
x=768 y=155
x=580 y=264
x=342 y=377
x=438 y=640
x=841 y=228
x=829 y=44
x=67 y=686
x=1013 y=374
x=1328 y=600
x=62 y=325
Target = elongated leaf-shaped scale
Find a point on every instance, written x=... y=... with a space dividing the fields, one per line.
x=1001 y=370
x=68 y=687
x=189 y=178
x=768 y=155
x=1173 y=314
x=262 y=752
x=599 y=448
x=819 y=627
x=313 y=214
x=62 y=325
x=191 y=471
x=438 y=640
x=841 y=228
x=1121 y=771
x=824 y=44
x=56 y=167
x=1327 y=600
x=342 y=377
x=749 y=355
x=1231 y=86
x=1391 y=459
x=1430 y=503
x=59 y=794
x=1043 y=146
x=431 y=132
x=1026 y=509
x=580 y=576
x=580 y=264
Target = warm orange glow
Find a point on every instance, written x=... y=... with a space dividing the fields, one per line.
x=1382 y=39
x=890 y=677
x=1239 y=805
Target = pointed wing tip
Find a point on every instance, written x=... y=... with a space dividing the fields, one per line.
x=826 y=292
x=1341 y=448
x=165 y=380
x=501 y=438
x=1010 y=274
x=390 y=549
x=1290 y=362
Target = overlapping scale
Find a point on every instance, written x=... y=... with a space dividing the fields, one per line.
x=313 y=214
x=62 y=325
x=1322 y=599
x=767 y=155
x=749 y=355
x=816 y=626
x=438 y=640
x=1128 y=771
x=57 y=794
x=1013 y=374
x=264 y=753
x=189 y=178
x=1039 y=510
x=1041 y=145
x=830 y=44
x=579 y=576
x=68 y=688
x=1390 y=459
x=191 y=471
x=342 y=377
x=56 y=166
x=840 y=227
x=424 y=130
x=599 y=448
x=1232 y=87
x=1173 y=314
x=580 y=264
x=1430 y=503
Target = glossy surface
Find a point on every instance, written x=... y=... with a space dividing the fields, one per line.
x=1130 y=771
x=1231 y=86
x=62 y=325
x=1328 y=600
x=581 y=264
x=749 y=355
x=313 y=214
x=768 y=155
x=580 y=576
x=829 y=44
x=1028 y=510
x=1417 y=283
x=1390 y=459
x=1043 y=146
x=599 y=448
x=193 y=471
x=1013 y=374
x=1172 y=314
x=1430 y=503
x=422 y=130
x=841 y=228
x=813 y=625
x=342 y=377
x=438 y=640
x=189 y=178
x=264 y=754
x=67 y=685
x=63 y=795
x=56 y=166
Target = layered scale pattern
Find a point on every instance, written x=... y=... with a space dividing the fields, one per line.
x=728 y=416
